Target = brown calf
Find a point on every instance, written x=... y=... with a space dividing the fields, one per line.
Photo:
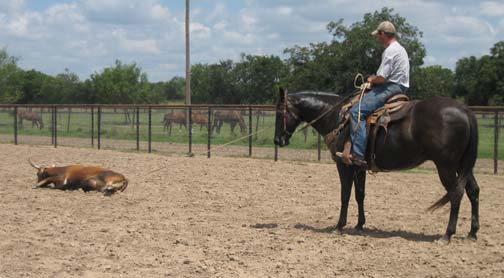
x=76 y=176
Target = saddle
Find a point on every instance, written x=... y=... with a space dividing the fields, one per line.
x=394 y=110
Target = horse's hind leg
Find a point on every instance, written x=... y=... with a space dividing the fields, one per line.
x=360 y=190
x=455 y=191
x=472 y=190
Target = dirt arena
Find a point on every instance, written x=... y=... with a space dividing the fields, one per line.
x=234 y=217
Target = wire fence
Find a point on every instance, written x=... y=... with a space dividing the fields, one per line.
x=224 y=130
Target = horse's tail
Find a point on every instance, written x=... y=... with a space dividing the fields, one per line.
x=440 y=203
x=468 y=159
x=471 y=153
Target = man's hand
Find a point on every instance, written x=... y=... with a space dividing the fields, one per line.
x=376 y=80
x=366 y=86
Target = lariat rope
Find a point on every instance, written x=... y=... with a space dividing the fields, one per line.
x=363 y=87
x=220 y=146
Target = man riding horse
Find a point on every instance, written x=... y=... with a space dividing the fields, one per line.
x=438 y=129
x=392 y=78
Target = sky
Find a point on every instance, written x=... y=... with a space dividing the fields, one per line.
x=85 y=36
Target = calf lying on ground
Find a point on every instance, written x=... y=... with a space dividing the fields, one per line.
x=76 y=176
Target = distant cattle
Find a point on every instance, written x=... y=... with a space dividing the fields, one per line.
x=34 y=117
x=88 y=178
x=228 y=116
x=179 y=117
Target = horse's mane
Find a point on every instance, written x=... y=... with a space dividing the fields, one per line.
x=314 y=93
x=326 y=97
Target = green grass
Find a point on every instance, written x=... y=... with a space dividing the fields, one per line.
x=113 y=127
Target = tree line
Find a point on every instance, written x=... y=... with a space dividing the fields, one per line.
x=254 y=79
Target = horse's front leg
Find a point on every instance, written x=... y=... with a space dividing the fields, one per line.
x=360 y=190
x=346 y=175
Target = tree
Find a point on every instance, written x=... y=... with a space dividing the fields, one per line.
x=175 y=88
x=30 y=83
x=123 y=83
x=64 y=88
x=214 y=83
x=257 y=78
x=9 y=87
x=432 y=81
x=352 y=50
x=480 y=81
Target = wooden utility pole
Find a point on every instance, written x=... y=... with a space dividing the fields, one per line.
x=188 y=57
x=188 y=78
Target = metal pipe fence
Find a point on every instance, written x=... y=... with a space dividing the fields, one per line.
x=163 y=129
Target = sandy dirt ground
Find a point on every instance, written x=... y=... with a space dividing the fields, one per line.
x=234 y=217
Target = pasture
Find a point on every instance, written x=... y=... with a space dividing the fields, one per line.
x=235 y=217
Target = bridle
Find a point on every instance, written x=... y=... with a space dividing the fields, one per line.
x=285 y=112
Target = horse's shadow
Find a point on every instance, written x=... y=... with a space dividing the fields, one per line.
x=372 y=232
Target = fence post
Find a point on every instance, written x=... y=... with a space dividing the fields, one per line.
x=99 y=127
x=92 y=127
x=138 y=128
x=150 y=129
x=250 y=131
x=55 y=126
x=15 y=125
x=68 y=120
x=257 y=123
x=190 y=130
x=52 y=124
x=496 y=141
x=209 y=128
x=319 y=141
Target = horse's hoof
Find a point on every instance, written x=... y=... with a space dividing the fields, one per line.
x=443 y=241
x=359 y=228
x=472 y=237
x=337 y=230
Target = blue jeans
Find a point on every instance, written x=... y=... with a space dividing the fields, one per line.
x=373 y=100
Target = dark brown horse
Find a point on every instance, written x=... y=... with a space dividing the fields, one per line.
x=229 y=116
x=438 y=129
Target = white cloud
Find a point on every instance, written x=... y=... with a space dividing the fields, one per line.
x=125 y=12
x=236 y=37
x=221 y=25
x=11 y=6
x=492 y=8
x=430 y=60
x=199 y=30
x=147 y=46
x=283 y=10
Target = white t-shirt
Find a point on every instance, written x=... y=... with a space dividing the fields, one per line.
x=395 y=66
